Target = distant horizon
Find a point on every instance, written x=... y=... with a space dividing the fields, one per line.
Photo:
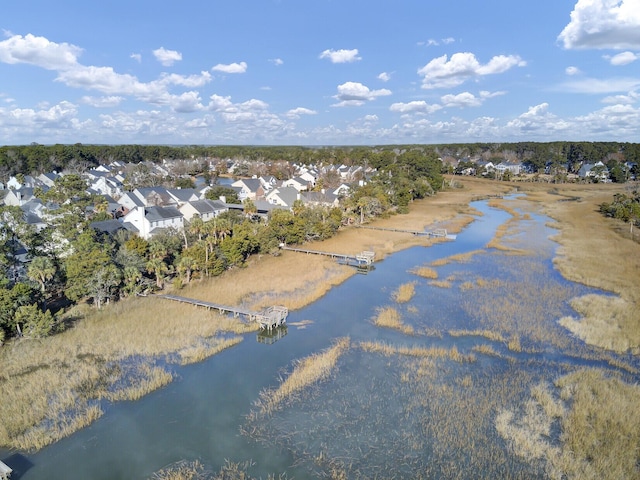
x=319 y=74
x=382 y=145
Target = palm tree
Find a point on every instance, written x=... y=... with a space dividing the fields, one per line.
x=187 y=265
x=158 y=268
x=196 y=226
x=41 y=270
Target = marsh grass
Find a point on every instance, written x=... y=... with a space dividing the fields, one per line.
x=441 y=283
x=485 y=349
x=206 y=349
x=425 y=272
x=405 y=292
x=423 y=352
x=601 y=258
x=403 y=412
x=184 y=470
x=108 y=355
x=457 y=258
x=607 y=321
x=597 y=415
x=389 y=317
x=514 y=344
x=307 y=371
x=489 y=334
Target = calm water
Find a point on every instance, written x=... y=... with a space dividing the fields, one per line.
x=198 y=416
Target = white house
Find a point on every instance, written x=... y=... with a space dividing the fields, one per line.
x=148 y=221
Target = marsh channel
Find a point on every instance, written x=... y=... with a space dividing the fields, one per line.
x=422 y=404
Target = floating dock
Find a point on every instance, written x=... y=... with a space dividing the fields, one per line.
x=268 y=319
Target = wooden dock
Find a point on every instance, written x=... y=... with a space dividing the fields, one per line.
x=362 y=259
x=437 y=233
x=268 y=319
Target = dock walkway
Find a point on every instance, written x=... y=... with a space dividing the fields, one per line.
x=361 y=259
x=438 y=232
x=269 y=318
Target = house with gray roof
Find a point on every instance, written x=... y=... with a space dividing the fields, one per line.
x=283 y=196
x=206 y=209
x=322 y=198
x=148 y=221
x=249 y=188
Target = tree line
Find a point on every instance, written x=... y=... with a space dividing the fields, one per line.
x=36 y=158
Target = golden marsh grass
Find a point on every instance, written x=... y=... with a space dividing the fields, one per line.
x=389 y=317
x=600 y=426
x=306 y=372
x=425 y=272
x=405 y=292
x=606 y=321
x=489 y=334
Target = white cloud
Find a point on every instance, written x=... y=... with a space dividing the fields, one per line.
x=341 y=56
x=191 y=81
x=276 y=61
x=603 y=24
x=442 y=72
x=230 y=68
x=571 y=70
x=39 y=51
x=136 y=56
x=600 y=86
x=102 y=102
x=630 y=98
x=356 y=94
x=623 y=58
x=297 y=112
x=434 y=43
x=167 y=57
x=186 y=102
x=417 y=106
x=384 y=76
x=61 y=115
x=467 y=99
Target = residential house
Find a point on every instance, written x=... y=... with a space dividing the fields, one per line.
x=48 y=179
x=107 y=185
x=18 y=197
x=205 y=209
x=148 y=221
x=513 y=168
x=597 y=171
x=283 y=196
x=298 y=183
x=249 y=188
x=322 y=198
x=183 y=195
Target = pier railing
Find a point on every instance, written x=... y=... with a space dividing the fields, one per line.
x=269 y=318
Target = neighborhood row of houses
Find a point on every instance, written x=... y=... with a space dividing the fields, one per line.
x=149 y=210
x=594 y=171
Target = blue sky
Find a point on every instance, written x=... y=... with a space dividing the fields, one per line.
x=319 y=72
